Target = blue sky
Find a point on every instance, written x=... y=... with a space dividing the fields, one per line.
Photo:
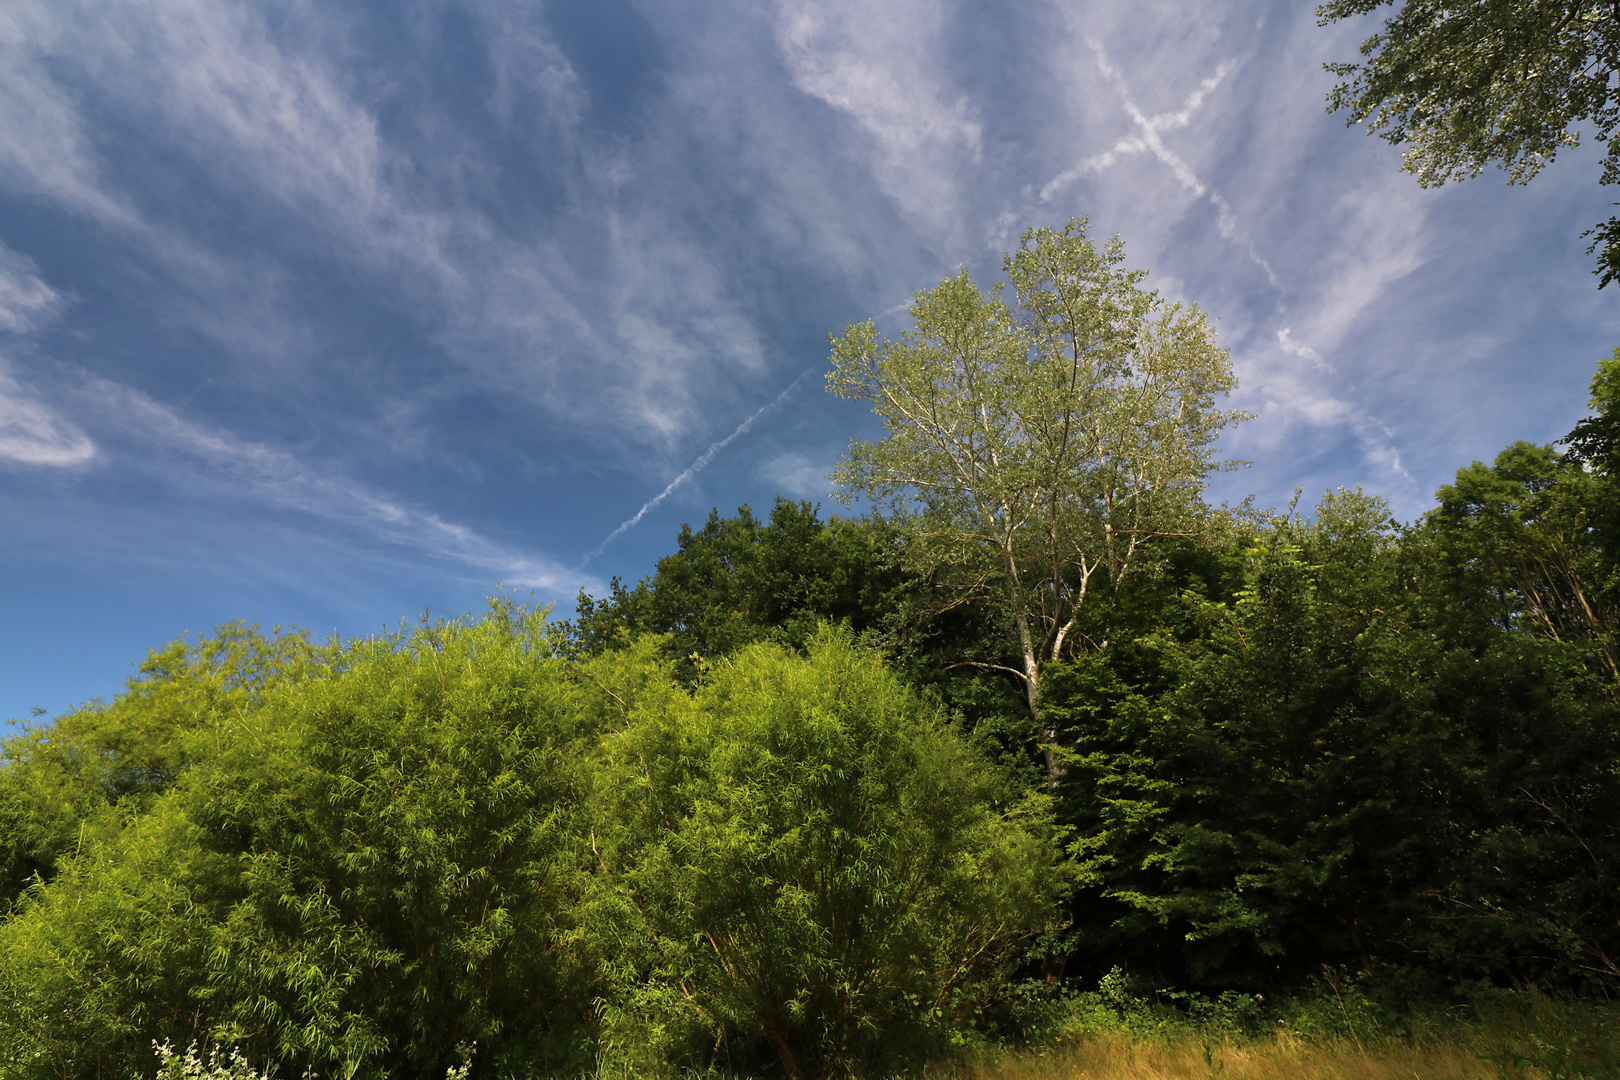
x=328 y=314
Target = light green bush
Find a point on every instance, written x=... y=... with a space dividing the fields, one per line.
x=372 y=867
x=456 y=835
x=804 y=863
x=91 y=768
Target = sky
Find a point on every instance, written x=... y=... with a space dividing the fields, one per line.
x=333 y=314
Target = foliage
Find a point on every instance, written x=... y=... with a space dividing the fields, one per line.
x=1034 y=454
x=1328 y=1031
x=218 y=1065
x=91 y=767
x=1532 y=536
x=1308 y=775
x=1339 y=775
x=1536 y=1034
x=231 y=1065
x=1504 y=81
x=739 y=580
x=375 y=866
x=1243 y=819
x=457 y=835
x=1195 y=1055
x=1595 y=441
x=1523 y=574
x=807 y=864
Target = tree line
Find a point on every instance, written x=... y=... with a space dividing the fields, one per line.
x=1317 y=740
x=830 y=795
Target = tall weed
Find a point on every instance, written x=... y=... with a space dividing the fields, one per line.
x=1536 y=1035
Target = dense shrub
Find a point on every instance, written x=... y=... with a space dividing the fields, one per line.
x=376 y=865
x=806 y=865
x=94 y=765
x=456 y=837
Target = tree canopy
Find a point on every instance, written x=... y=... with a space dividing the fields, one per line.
x=1508 y=82
x=1033 y=454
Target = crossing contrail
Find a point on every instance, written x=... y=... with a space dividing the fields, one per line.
x=693 y=469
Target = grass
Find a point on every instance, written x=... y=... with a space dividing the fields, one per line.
x=1119 y=1056
x=1112 y=1035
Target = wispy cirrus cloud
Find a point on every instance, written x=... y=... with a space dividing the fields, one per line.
x=621 y=286
x=881 y=67
x=32 y=433
x=1286 y=342
x=800 y=474
x=1152 y=131
x=278 y=113
x=697 y=466
x=1307 y=318
x=27 y=303
x=214 y=465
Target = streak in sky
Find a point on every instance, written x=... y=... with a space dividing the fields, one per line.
x=693 y=469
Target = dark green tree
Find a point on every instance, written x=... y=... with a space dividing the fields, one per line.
x=1260 y=816
x=1595 y=441
x=738 y=580
x=1370 y=756
x=1530 y=541
x=1524 y=574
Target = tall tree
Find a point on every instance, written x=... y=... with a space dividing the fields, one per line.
x=1347 y=764
x=1595 y=441
x=1463 y=85
x=1033 y=455
x=1536 y=530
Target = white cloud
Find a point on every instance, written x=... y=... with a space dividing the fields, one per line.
x=27 y=303
x=1151 y=138
x=1379 y=240
x=846 y=55
x=831 y=145
x=44 y=148
x=1152 y=128
x=1323 y=273
x=32 y=433
x=215 y=465
x=1285 y=340
x=697 y=466
x=614 y=319
x=882 y=66
x=798 y=474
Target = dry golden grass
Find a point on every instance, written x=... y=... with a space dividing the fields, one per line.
x=1121 y=1057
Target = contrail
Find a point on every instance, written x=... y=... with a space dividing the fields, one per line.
x=693 y=469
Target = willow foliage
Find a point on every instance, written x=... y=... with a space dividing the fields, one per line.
x=807 y=864
x=374 y=866
x=456 y=837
